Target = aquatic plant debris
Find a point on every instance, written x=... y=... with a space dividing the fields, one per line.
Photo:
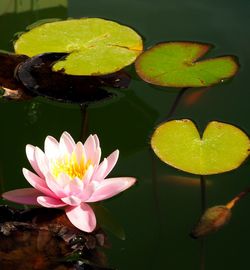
x=36 y=76
x=69 y=175
x=176 y=64
x=95 y=46
x=43 y=239
x=222 y=147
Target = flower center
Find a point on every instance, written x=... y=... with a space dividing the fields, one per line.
x=70 y=166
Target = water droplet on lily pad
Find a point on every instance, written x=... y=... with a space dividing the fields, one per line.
x=95 y=46
x=176 y=64
x=222 y=147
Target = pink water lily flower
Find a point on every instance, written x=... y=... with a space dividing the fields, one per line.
x=70 y=175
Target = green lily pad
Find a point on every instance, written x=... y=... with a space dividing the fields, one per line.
x=174 y=64
x=222 y=147
x=95 y=46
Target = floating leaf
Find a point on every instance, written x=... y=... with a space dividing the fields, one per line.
x=36 y=76
x=107 y=221
x=211 y=221
x=223 y=147
x=95 y=46
x=175 y=64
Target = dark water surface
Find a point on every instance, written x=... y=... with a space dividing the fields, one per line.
x=156 y=238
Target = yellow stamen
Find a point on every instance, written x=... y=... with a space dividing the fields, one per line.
x=70 y=166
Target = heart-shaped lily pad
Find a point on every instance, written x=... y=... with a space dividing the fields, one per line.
x=222 y=147
x=95 y=46
x=174 y=64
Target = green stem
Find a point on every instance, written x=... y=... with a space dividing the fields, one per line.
x=176 y=102
x=203 y=194
x=203 y=208
x=84 y=122
x=154 y=169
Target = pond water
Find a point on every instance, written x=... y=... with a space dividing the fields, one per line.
x=159 y=212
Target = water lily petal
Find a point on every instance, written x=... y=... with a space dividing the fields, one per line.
x=97 y=143
x=82 y=217
x=88 y=174
x=88 y=190
x=67 y=144
x=74 y=187
x=22 y=196
x=100 y=171
x=90 y=148
x=30 y=153
x=37 y=182
x=51 y=147
x=112 y=159
x=54 y=186
x=50 y=202
x=111 y=187
x=97 y=156
x=80 y=152
x=71 y=200
x=42 y=161
x=63 y=180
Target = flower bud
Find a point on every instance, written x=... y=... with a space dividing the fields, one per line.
x=212 y=220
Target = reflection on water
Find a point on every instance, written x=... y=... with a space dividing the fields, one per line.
x=19 y=6
x=183 y=180
x=33 y=112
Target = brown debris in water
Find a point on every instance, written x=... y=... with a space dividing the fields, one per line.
x=44 y=238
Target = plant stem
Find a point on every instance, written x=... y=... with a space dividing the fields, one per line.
x=203 y=208
x=176 y=102
x=84 y=122
x=153 y=164
x=203 y=194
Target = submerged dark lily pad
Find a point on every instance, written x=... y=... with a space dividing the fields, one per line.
x=7 y=69
x=13 y=88
x=37 y=76
x=44 y=239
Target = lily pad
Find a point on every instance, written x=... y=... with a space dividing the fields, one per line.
x=95 y=46
x=222 y=147
x=175 y=64
x=36 y=75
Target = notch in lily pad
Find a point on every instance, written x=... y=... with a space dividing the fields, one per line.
x=94 y=46
x=178 y=64
x=222 y=147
